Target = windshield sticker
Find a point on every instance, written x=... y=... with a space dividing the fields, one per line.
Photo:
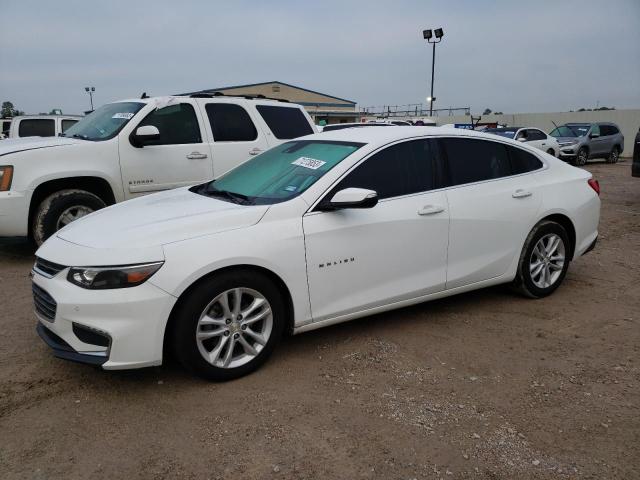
x=125 y=115
x=291 y=188
x=307 y=162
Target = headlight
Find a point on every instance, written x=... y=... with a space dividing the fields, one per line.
x=6 y=175
x=100 y=278
x=566 y=144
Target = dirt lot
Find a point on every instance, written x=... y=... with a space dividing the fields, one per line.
x=482 y=385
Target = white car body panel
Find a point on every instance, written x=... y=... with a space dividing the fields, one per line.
x=334 y=265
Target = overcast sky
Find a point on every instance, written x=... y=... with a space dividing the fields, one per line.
x=512 y=56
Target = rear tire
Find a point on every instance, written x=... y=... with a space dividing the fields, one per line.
x=211 y=320
x=544 y=260
x=61 y=208
x=551 y=152
x=614 y=155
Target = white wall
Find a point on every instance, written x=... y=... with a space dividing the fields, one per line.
x=627 y=120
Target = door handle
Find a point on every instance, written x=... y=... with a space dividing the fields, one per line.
x=196 y=156
x=543 y=144
x=255 y=151
x=520 y=193
x=430 y=209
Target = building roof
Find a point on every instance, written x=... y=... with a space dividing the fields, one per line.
x=231 y=87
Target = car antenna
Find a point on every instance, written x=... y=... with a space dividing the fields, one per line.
x=554 y=124
x=144 y=95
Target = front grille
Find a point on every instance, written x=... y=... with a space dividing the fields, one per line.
x=44 y=303
x=47 y=268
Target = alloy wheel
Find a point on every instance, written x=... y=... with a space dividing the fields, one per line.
x=72 y=214
x=234 y=327
x=547 y=260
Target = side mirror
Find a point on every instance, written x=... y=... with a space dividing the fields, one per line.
x=351 y=198
x=594 y=135
x=143 y=135
x=521 y=139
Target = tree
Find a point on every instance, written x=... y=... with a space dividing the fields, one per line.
x=498 y=113
x=487 y=111
x=8 y=110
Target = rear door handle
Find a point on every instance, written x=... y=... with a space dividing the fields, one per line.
x=430 y=209
x=255 y=151
x=520 y=193
x=196 y=156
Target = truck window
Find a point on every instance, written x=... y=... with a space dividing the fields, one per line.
x=177 y=125
x=285 y=122
x=230 y=123
x=66 y=123
x=37 y=127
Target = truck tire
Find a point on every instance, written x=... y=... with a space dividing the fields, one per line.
x=61 y=208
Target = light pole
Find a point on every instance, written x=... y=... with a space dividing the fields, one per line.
x=90 y=91
x=428 y=35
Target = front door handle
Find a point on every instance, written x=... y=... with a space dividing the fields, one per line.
x=430 y=209
x=196 y=156
x=520 y=193
x=255 y=151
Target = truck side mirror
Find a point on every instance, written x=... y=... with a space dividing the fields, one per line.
x=144 y=135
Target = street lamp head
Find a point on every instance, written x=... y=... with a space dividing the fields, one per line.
x=427 y=34
x=431 y=99
x=86 y=89
x=439 y=33
x=93 y=89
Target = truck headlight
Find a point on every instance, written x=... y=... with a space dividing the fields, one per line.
x=122 y=276
x=6 y=175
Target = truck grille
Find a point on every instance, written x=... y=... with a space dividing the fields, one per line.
x=44 y=303
x=47 y=268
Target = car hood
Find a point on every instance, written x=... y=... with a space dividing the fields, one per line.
x=13 y=145
x=159 y=219
x=567 y=139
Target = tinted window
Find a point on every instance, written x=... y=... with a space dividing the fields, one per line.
x=536 y=135
x=614 y=130
x=608 y=130
x=285 y=122
x=6 y=125
x=230 y=123
x=38 y=127
x=470 y=160
x=68 y=123
x=397 y=170
x=595 y=129
x=521 y=161
x=177 y=125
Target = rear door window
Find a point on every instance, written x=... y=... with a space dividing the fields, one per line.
x=472 y=160
x=37 y=127
x=400 y=169
x=535 y=134
x=595 y=130
x=285 y=122
x=230 y=123
x=177 y=124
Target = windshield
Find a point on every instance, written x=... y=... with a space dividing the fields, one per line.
x=280 y=173
x=105 y=122
x=570 y=131
x=503 y=132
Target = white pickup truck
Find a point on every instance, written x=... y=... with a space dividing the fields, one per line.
x=133 y=147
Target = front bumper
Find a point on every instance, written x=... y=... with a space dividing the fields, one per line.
x=14 y=213
x=132 y=319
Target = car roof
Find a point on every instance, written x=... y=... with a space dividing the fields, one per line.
x=221 y=98
x=387 y=135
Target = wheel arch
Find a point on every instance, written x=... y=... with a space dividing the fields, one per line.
x=568 y=225
x=277 y=280
x=92 y=184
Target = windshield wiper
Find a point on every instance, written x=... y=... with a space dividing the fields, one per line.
x=232 y=196
x=82 y=137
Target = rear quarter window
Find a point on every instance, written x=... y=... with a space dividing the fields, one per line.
x=522 y=161
x=37 y=127
x=285 y=122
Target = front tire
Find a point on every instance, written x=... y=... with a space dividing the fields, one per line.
x=228 y=325
x=551 y=152
x=544 y=260
x=61 y=208
x=582 y=157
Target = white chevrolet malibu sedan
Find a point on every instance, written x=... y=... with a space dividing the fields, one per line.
x=316 y=231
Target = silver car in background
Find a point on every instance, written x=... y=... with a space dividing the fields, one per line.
x=580 y=142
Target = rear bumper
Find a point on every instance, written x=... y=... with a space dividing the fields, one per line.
x=591 y=247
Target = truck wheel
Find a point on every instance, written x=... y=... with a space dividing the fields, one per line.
x=60 y=209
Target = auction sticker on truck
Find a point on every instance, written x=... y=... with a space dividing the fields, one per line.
x=307 y=162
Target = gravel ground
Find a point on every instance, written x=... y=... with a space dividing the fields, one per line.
x=481 y=385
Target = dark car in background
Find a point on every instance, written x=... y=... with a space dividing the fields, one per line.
x=580 y=142
x=635 y=166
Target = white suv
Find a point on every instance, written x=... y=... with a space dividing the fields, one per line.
x=133 y=147
x=39 y=125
